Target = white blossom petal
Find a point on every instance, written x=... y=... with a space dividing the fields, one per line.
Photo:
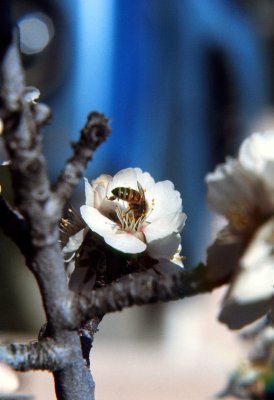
x=267 y=203
x=165 y=247
x=168 y=267
x=144 y=178
x=256 y=151
x=255 y=281
x=9 y=382
x=251 y=292
x=125 y=242
x=127 y=226
x=120 y=240
x=223 y=256
x=74 y=242
x=100 y=191
x=166 y=225
x=230 y=189
x=124 y=178
x=242 y=190
x=89 y=192
x=97 y=222
x=166 y=200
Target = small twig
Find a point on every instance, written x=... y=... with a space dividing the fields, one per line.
x=145 y=289
x=28 y=166
x=93 y=134
x=44 y=355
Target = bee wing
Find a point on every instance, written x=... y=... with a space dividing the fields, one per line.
x=141 y=190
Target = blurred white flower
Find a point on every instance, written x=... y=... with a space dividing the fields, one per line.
x=9 y=381
x=134 y=214
x=242 y=190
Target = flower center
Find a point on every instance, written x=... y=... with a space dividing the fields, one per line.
x=245 y=220
x=131 y=219
x=239 y=221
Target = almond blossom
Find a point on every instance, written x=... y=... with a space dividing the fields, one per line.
x=154 y=228
x=242 y=190
x=129 y=224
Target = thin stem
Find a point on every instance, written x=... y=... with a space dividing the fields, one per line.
x=92 y=135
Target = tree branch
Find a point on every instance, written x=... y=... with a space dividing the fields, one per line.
x=42 y=212
x=23 y=142
x=32 y=194
x=93 y=134
x=75 y=380
x=145 y=289
x=43 y=355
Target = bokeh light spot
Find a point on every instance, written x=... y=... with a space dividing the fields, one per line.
x=36 y=32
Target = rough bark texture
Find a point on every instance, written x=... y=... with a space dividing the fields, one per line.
x=146 y=289
x=42 y=355
x=83 y=383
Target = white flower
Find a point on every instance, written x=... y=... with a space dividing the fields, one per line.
x=150 y=222
x=9 y=382
x=95 y=196
x=242 y=190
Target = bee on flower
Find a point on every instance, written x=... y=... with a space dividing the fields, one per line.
x=130 y=216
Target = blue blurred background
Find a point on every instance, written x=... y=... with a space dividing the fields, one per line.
x=182 y=82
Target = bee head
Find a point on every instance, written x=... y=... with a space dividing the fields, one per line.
x=116 y=192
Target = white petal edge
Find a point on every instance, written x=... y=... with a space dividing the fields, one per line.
x=97 y=222
x=165 y=247
x=100 y=189
x=125 y=242
x=164 y=226
x=166 y=200
x=256 y=150
x=89 y=192
x=124 y=178
x=255 y=281
x=74 y=242
x=168 y=267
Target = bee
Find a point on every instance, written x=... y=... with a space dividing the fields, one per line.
x=137 y=205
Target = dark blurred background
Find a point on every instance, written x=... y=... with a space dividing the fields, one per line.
x=182 y=82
